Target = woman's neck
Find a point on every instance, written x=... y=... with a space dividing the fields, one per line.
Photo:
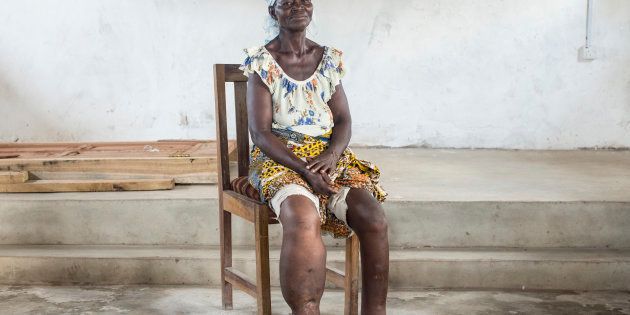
x=292 y=42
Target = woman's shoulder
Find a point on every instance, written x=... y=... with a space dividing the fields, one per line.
x=258 y=60
x=333 y=59
x=255 y=51
x=257 y=57
x=333 y=68
x=335 y=51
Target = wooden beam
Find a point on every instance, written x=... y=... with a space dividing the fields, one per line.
x=64 y=145
x=195 y=149
x=220 y=114
x=139 y=165
x=192 y=178
x=242 y=131
x=233 y=73
x=335 y=276
x=76 y=150
x=190 y=151
x=189 y=162
x=351 y=285
x=47 y=186
x=238 y=205
x=263 y=281
x=240 y=280
x=13 y=177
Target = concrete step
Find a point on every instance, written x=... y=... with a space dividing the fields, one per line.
x=188 y=216
x=561 y=269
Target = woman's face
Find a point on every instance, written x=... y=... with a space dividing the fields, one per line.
x=293 y=15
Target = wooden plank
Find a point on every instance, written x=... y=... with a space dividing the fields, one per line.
x=232 y=150
x=240 y=280
x=8 y=156
x=351 y=285
x=13 y=177
x=242 y=131
x=192 y=178
x=222 y=152
x=335 y=276
x=47 y=186
x=147 y=151
x=246 y=207
x=97 y=149
x=236 y=204
x=263 y=282
x=77 y=150
x=65 y=145
x=225 y=241
x=191 y=151
x=188 y=161
x=110 y=149
x=232 y=73
x=168 y=166
x=223 y=182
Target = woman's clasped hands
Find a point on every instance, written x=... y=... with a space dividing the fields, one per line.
x=318 y=171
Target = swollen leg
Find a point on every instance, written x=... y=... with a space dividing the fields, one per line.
x=303 y=255
x=367 y=218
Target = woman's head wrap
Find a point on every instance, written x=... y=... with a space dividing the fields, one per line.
x=272 y=28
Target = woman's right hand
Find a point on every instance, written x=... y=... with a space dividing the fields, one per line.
x=320 y=182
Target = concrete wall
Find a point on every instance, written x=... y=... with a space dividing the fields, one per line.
x=441 y=73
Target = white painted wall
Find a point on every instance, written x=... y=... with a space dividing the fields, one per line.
x=440 y=73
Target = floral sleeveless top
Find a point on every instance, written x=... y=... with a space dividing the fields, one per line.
x=298 y=105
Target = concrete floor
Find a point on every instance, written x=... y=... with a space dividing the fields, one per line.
x=204 y=300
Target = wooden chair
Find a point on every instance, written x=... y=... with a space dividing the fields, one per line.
x=250 y=208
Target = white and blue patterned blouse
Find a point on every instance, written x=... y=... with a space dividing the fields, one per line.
x=299 y=105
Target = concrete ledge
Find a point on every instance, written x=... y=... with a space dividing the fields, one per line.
x=562 y=269
x=188 y=216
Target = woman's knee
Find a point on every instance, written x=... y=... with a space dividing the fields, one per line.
x=374 y=222
x=299 y=214
x=366 y=212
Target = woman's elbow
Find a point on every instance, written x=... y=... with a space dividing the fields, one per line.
x=257 y=136
x=345 y=121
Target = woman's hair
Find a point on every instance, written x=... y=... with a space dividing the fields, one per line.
x=272 y=28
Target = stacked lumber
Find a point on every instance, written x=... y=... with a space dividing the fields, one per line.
x=13 y=177
x=47 y=186
x=113 y=166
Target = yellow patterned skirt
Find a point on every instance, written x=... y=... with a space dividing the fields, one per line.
x=268 y=176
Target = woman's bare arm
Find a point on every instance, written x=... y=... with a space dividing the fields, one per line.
x=342 y=131
x=260 y=116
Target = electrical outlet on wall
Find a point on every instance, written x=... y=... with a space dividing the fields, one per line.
x=587 y=53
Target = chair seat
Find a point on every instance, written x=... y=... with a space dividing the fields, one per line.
x=241 y=185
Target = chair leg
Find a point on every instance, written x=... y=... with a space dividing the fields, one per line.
x=225 y=227
x=352 y=276
x=263 y=285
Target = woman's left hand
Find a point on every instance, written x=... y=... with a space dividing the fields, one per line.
x=325 y=162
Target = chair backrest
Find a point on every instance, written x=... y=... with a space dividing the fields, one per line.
x=223 y=74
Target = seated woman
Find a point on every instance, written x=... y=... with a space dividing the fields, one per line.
x=302 y=166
